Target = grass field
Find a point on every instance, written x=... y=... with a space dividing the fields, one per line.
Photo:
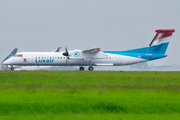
x=89 y=95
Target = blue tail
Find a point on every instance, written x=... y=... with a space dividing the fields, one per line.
x=156 y=49
x=158 y=45
x=160 y=42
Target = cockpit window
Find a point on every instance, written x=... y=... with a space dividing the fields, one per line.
x=18 y=55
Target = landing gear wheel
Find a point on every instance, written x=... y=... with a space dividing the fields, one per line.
x=81 y=68
x=91 y=68
x=12 y=68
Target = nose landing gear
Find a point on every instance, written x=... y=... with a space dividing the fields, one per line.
x=12 y=68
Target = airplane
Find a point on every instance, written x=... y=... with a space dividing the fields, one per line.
x=94 y=57
x=17 y=67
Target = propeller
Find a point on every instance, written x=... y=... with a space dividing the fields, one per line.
x=66 y=53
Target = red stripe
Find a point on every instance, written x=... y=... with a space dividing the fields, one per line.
x=165 y=30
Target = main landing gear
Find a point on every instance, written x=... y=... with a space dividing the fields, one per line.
x=81 y=68
x=90 y=68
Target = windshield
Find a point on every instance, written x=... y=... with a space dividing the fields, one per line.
x=18 y=55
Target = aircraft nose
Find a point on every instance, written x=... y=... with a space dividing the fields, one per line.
x=7 y=62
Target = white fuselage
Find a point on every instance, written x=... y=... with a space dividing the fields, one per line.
x=57 y=59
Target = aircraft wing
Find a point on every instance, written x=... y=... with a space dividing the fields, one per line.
x=94 y=50
x=88 y=55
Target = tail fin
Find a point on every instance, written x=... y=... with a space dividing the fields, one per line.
x=161 y=41
x=11 y=54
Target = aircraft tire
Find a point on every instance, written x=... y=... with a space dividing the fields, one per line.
x=12 y=68
x=91 y=68
x=81 y=68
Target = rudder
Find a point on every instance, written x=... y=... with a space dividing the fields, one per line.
x=161 y=41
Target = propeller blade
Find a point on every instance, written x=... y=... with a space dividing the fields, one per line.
x=66 y=53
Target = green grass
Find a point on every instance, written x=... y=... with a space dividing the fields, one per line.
x=89 y=95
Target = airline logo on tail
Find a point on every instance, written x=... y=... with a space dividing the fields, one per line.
x=162 y=36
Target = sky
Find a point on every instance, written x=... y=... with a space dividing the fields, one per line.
x=42 y=25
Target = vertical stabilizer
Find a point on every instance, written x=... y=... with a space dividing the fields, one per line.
x=161 y=41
